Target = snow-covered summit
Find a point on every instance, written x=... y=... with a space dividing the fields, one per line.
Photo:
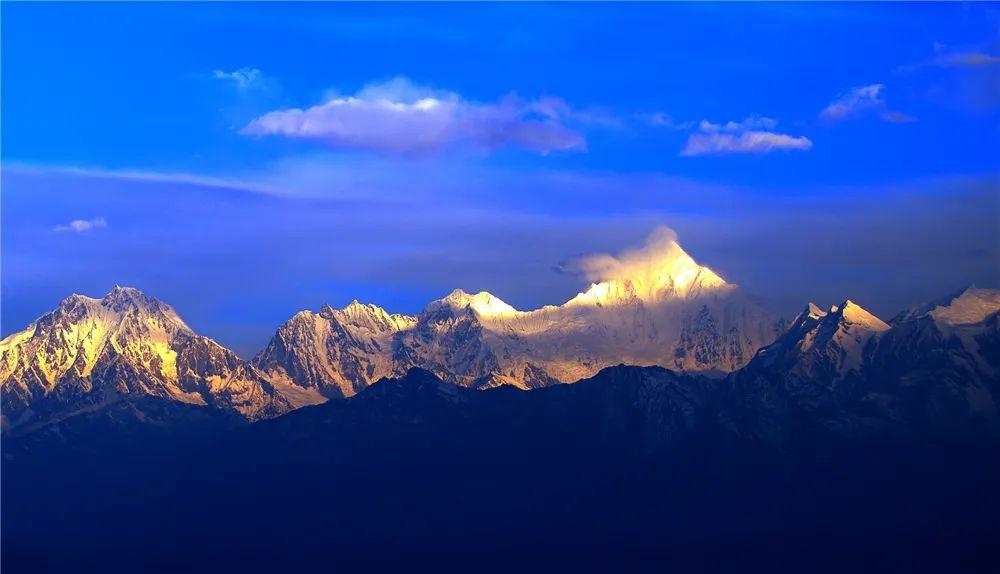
x=75 y=334
x=666 y=275
x=333 y=353
x=483 y=303
x=823 y=344
x=366 y=315
x=655 y=307
x=966 y=306
x=91 y=350
x=853 y=314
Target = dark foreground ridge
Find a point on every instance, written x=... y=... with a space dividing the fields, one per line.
x=634 y=467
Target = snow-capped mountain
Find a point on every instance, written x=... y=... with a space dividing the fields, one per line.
x=940 y=362
x=842 y=402
x=965 y=306
x=935 y=367
x=90 y=352
x=670 y=312
x=823 y=345
x=333 y=353
x=809 y=369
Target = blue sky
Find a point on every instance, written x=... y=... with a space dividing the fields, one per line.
x=243 y=162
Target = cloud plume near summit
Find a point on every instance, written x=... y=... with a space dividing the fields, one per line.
x=660 y=263
x=400 y=118
x=660 y=248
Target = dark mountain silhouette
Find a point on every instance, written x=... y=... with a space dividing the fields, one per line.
x=636 y=466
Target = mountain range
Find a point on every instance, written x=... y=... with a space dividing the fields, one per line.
x=804 y=460
x=673 y=313
x=657 y=417
x=89 y=353
x=85 y=353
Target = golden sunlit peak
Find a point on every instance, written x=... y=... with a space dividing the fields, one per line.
x=356 y=306
x=854 y=313
x=660 y=269
x=812 y=310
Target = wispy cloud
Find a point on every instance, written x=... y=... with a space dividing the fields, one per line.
x=966 y=60
x=861 y=101
x=663 y=120
x=400 y=118
x=179 y=178
x=965 y=79
x=854 y=102
x=949 y=60
x=243 y=77
x=752 y=135
x=82 y=225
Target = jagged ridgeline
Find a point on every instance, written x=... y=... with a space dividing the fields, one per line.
x=672 y=313
x=88 y=353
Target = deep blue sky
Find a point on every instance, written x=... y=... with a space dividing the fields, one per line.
x=862 y=158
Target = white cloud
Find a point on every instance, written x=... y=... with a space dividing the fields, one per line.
x=243 y=77
x=400 y=118
x=751 y=135
x=82 y=225
x=854 y=102
x=860 y=101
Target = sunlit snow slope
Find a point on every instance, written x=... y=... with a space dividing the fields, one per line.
x=89 y=352
x=658 y=309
